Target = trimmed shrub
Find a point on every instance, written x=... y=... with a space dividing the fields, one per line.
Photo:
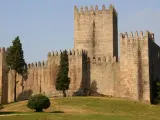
x=38 y=102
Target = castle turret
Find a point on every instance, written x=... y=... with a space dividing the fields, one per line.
x=96 y=30
x=134 y=66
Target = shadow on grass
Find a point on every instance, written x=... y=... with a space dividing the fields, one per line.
x=57 y=112
x=5 y=113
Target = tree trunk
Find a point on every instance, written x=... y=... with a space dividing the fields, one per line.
x=39 y=110
x=64 y=93
x=15 y=86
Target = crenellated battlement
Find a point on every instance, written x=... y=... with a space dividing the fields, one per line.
x=133 y=36
x=89 y=22
x=103 y=60
x=94 y=66
x=94 y=10
x=137 y=35
x=130 y=38
x=70 y=53
x=37 y=64
x=54 y=57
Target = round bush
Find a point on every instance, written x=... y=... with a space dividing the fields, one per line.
x=38 y=102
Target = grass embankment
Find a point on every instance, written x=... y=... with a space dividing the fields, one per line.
x=84 y=108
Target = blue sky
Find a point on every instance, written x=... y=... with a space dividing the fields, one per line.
x=47 y=25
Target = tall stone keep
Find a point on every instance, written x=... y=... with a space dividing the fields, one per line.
x=96 y=31
x=94 y=68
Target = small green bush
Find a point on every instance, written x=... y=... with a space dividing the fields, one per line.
x=38 y=102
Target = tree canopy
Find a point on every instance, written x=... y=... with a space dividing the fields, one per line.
x=15 y=59
x=63 y=81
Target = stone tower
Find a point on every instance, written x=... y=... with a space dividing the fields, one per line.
x=94 y=68
x=96 y=31
x=135 y=65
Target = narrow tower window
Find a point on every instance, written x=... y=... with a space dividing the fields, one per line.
x=99 y=59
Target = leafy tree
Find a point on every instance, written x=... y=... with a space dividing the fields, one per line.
x=15 y=60
x=62 y=80
x=38 y=102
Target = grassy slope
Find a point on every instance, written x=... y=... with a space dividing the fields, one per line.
x=85 y=108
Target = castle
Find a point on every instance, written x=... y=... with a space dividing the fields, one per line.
x=94 y=64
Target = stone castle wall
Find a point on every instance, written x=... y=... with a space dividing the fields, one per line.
x=134 y=66
x=105 y=75
x=42 y=76
x=96 y=68
x=96 y=31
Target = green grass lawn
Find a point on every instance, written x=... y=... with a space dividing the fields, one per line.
x=84 y=108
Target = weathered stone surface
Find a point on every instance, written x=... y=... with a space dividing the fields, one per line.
x=94 y=66
x=96 y=31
